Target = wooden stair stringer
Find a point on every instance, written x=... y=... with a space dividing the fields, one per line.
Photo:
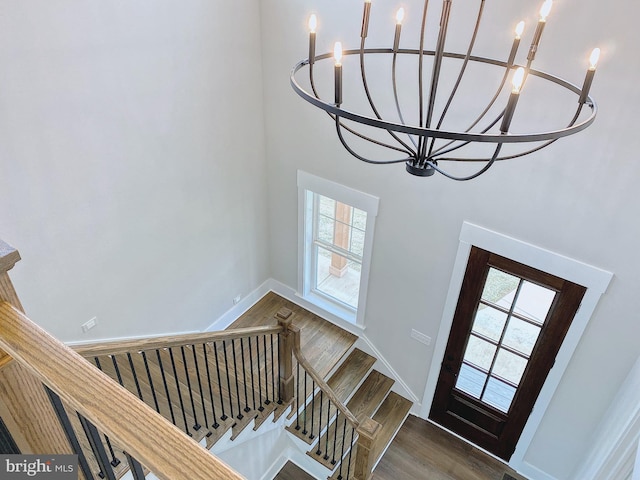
x=363 y=404
x=345 y=381
x=391 y=415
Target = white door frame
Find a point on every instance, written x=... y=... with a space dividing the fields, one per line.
x=595 y=279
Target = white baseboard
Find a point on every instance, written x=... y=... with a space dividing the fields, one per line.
x=242 y=306
x=534 y=473
x=385 y=367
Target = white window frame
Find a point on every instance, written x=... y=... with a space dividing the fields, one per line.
x=309 y=184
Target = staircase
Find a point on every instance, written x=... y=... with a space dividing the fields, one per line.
x=208 y=388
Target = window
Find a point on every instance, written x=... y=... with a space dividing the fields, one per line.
x=510 y=315
x=336 y=234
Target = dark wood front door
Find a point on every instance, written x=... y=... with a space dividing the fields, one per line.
x=509 y=324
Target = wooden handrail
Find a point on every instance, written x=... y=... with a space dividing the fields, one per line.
x=127 y=346
x=304 y=363
x=111 y=408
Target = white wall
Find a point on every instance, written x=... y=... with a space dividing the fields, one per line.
x=578 y=198
x=132 y=161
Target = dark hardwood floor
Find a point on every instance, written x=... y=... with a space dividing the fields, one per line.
x=423 y=451
x=292 y=472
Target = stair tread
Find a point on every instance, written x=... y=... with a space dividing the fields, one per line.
x=343 y=382
x=363 y=404
x=390 y=416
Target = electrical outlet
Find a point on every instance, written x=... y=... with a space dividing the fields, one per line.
x=89 y=324
x=236 y=299
x=421 y=337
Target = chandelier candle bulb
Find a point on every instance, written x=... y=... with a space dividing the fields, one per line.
x=313 y=23
x=518 y=78
x=365 y=19
x=588 y=79
x=337 y=55
x=544 y=13
x=396 y=39
x=516 y=43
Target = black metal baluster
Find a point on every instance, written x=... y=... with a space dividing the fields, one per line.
x=215 y=351
x=266 y=371
x=196 y=425
x=195 y=361
x=153 y=390
x=297 y=396
x=99 y=452
x=213 y=405
x=135 y=376
x=326 y=441
x=97 y=360
x=261 y=407
x=115 y=461
x=226 y=367
x=244 y=378
x=253 y=385
x=313 y=407
x=166 y=388
x=335 y=437
x=115 y=367
x=319 y=451
x=135 y=467
x=304 y=425
x=353 y=432
x=235 y=372
x=175 y=376
x=344 y=438
x=70 y=433
x=278 y=357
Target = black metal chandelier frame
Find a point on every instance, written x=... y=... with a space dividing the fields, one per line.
x=419 y=151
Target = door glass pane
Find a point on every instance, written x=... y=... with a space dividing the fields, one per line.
x=470 y=380
x=521 y=335
x=479 y=352
x=489 y=322
x=509 y=366
x=498 y=394
x=337 y=277
x=500 y=288
x=534 y=302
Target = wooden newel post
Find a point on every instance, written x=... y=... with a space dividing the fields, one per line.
x=366 y=447
x=285 y=355
x=24 y=405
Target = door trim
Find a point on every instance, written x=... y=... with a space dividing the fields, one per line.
x=596 y=280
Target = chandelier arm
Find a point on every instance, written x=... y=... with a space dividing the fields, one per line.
x=420 y=70
x=370 y=99
x=443 y=150
x=395 y=96
x=360 y=157
x=470 y=177
x=454 y=90
x=522 y=154
x=437 y=61
x=346 y=127
x=484 y=112
x=463 y=69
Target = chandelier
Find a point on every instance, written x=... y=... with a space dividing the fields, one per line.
x=419 y=117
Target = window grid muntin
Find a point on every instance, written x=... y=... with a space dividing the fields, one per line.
x=499 y=344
